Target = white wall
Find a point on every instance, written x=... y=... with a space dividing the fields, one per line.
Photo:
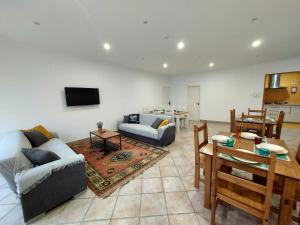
x=222 y=90
x=32 y=84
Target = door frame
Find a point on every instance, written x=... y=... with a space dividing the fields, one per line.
x=187 y=98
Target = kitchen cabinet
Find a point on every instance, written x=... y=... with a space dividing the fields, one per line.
x=292 y=112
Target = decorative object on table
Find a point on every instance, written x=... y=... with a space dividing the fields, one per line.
x=230 y=142
x=100 y=125
x=257 y=140
x=106 y=173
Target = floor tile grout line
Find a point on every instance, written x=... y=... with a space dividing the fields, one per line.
x=82 y=219
x=113 y=211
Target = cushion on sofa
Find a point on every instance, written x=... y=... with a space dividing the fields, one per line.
x=163 y=123
x=156 y=123
x=36 y=138
x=39 y=157
x=58 y=147
x=41 y=129
x=139 y=129
x=134 y=118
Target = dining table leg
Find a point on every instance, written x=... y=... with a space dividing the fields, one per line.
x=287 y=201
x=207 y=186
x=269 y=133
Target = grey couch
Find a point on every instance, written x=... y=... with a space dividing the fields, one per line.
x=44 y=187
x=143 y=131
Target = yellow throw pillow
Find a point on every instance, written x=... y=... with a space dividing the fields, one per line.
x=163 y=123
x=41 y=129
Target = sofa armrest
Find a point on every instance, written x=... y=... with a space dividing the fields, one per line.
x=29 y=179
x=162 y=129
x=119 y=122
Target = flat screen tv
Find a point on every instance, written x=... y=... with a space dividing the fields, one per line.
x=76 y=96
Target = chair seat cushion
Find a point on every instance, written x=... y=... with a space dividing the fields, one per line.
x=139 y=129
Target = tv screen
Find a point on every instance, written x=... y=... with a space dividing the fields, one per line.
x=82 y=96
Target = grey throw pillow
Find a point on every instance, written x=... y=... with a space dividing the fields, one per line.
x=39 y=157
x=36 y=138
x=156 y=123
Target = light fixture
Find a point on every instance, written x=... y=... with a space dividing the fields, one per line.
x=165 y=65
x=211 y=64
x=180 y=45
x=256 y=43
x=106 y=46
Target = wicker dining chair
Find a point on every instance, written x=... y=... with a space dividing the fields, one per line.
x=199 y=158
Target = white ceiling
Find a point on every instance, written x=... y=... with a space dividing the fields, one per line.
x=213 y=30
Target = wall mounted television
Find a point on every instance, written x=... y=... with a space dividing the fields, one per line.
x=76 y=96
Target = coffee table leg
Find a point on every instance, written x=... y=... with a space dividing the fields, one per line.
x=120 y=143
x=105 y=147
x=91 y=141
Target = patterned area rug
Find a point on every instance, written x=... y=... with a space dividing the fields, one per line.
x=106 y=173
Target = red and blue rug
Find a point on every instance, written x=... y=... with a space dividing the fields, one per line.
x=106 y=173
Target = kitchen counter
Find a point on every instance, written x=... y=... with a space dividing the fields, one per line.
x=292 y=104
x=292 y=111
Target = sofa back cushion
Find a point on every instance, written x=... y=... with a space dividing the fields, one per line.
x=36 y=138
x=148 y=119
x=12 y=160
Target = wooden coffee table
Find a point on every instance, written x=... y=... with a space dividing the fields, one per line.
x=105 y=135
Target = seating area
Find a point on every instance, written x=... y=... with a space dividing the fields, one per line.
x=149 y=112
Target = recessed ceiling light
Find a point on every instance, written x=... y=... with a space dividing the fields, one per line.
x=145 y=21
x=180 y=45
x=211 y=64
x=256 y=43
x=106 y=46
x=254 y=19
x=165 y=65
x=36 y=23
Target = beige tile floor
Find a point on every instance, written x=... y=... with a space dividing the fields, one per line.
x=163 y=195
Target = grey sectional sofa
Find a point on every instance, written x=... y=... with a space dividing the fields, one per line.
x=44 y=187
x=143 y=131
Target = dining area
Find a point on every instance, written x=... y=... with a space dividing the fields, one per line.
x=248 y=166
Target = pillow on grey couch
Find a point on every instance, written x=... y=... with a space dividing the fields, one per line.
x=156 y=123
x=134 y=118
x=39 y=157
x=36 y=138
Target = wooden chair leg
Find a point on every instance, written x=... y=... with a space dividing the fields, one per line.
x=213 y=211
x=197 y=176
x=299 y=218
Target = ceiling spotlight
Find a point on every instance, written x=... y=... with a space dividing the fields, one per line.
x=36 y=23
x=165 y=65
x=180 y=45
x=254 y=19
x=211 y=64
x=106 y=46
x=145 y=21
x=256 y=43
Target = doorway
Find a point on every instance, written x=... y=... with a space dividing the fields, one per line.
x=193 y=102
